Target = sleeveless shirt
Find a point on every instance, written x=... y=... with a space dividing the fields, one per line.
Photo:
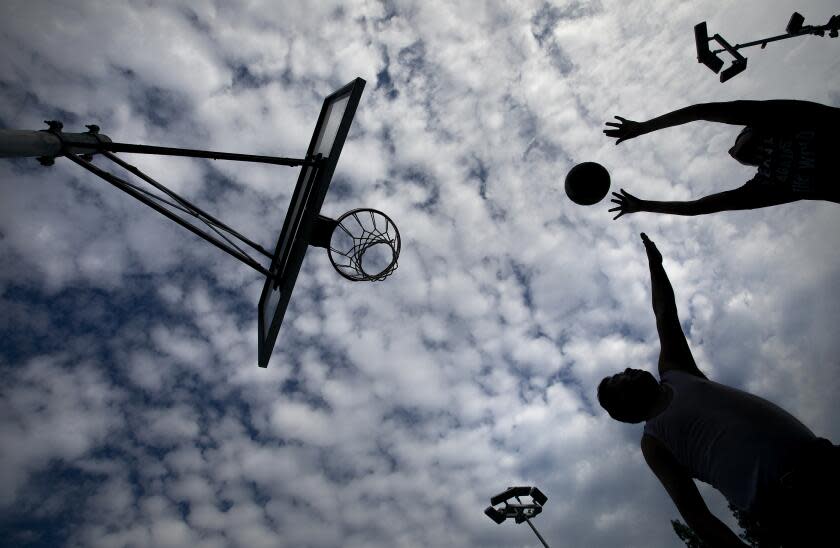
x=737 y=442
x=804 y=161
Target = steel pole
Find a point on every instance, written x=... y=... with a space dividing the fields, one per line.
x=539 y=536
x=534 y=529
x=25 y=143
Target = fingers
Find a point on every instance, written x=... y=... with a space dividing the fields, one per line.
x=612 y=124
x=615 y=209
x=620 y=118
x=617 y=216
x=644 y=237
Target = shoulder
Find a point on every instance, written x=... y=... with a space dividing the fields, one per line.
x=680 y=378
x=651 y=445
x=659 y=458
x=655 y=453
x=670 y=368
x=792 y=114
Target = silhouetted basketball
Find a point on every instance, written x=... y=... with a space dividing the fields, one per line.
x=587 y=183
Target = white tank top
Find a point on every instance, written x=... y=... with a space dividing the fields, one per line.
x=738 y=443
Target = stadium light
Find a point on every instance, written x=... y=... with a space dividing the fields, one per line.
x=710 y=58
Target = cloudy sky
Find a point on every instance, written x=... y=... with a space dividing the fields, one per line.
x=132 y=411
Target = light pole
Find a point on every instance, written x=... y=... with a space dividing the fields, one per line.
x=518 y=510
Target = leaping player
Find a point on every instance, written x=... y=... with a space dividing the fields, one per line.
x=764 y=460
x=794 y=144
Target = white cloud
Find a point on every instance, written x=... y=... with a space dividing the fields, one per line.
x=390 y=412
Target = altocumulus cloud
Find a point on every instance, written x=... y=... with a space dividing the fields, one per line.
x=133 y=413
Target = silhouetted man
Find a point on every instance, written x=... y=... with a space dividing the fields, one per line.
x=794 y=145
x=758 y=455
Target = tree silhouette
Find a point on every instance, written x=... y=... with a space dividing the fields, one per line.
x=687 y=534
x=752 y=533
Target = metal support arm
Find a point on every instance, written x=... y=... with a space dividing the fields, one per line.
x=192 y=153
x=80 y=148
x=199 y=213
x=129 y=189
x=794 y=28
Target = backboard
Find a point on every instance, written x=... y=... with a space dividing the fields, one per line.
x=314 y=180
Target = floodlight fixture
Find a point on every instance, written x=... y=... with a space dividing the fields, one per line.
x=502 y=508
x=737 y=67
x=704 y=54
x=833 y=26
x=795 y=23
x=710 y=58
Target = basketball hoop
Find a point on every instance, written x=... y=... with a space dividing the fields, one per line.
x=364 y=245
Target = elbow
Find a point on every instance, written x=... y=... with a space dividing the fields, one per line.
x=703 y=111
x=711 y=530
x=697 y=519
x=710 y=204
x=692 y=209
x=702 y=522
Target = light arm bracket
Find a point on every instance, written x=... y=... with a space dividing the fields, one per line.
x=709 y=57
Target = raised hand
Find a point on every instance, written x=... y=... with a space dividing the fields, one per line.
x=627 y=203
x=624 y=129
x=653 y=253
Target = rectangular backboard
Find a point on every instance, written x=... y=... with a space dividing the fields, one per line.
x=314 y=180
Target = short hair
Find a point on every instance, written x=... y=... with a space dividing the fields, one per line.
x=619 y=406
x=606 y=397
x=750 y=150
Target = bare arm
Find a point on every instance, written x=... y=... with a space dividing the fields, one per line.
x=686 y=497
x=674 y=352
x=774 y=113
x=744 y=197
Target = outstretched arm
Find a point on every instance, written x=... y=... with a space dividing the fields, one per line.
x=745 y=197
x=686 y=497
x=774 y=113
x=674 y=352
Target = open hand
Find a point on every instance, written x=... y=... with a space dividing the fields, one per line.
x=624 y=129
x=627 y=203
x=653 y=253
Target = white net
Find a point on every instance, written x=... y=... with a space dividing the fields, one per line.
x=365 y=245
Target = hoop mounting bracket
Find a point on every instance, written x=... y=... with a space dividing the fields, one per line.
x=322 y=231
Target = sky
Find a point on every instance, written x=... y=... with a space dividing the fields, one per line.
x=132 y=411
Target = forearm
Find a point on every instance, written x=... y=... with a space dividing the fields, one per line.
x=675 y=118
x=741 y=113
x=689 y=208
x=745 y=197
x=664 y=302
x=714 y=203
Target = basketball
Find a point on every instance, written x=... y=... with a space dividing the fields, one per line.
x=587 y=183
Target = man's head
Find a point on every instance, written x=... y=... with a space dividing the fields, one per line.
x=747 y=147
x=630 y=396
